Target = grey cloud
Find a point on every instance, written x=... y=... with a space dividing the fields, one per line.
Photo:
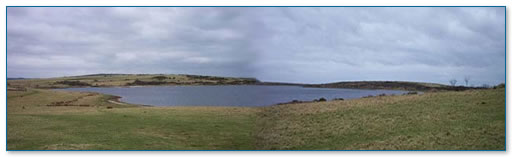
x=389 y=44
x=301 y=44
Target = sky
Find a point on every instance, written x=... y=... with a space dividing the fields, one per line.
x=279 y=44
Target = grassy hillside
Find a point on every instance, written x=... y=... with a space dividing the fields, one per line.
x=117 y=80
x=34 y=125
x=393 y=85
x=113 y=80
x=468 y=120
x=389 y=85
x=471 y=120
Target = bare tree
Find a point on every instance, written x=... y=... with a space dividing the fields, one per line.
x=453 y=82
x=466 y=79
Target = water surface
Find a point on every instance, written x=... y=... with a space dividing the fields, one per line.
x=233 y=95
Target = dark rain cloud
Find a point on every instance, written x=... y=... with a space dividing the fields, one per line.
x=273 y=44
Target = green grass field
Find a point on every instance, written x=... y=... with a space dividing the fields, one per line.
x=466 y=120
x=469 y=120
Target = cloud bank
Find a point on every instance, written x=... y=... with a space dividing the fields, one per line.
x=300 y=44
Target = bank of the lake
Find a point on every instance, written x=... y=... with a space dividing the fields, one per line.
x=465 y=120
x=127 y=80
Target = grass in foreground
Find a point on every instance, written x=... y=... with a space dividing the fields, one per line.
x=471 y=120
x=32 y=125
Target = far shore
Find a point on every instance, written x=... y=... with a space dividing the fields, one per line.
x=138 y=80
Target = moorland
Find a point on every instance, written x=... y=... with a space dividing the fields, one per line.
x=442 y=118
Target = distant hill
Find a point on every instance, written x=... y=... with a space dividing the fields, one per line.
x=390 y=85
x=117 y=80
x=19 y=78
x=393 y=85
x=120 y=80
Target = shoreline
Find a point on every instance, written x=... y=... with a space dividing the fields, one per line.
x=143 y=80
x=115 y=99
x=325 y=85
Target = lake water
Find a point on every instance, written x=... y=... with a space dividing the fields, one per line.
x=233 y=95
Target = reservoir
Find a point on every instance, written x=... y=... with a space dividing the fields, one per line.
x=228 y=95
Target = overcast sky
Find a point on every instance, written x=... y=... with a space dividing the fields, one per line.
x=308 y=45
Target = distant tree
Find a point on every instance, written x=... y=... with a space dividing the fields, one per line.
x=453 y=82
x=485 y=86
x=466 y=79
